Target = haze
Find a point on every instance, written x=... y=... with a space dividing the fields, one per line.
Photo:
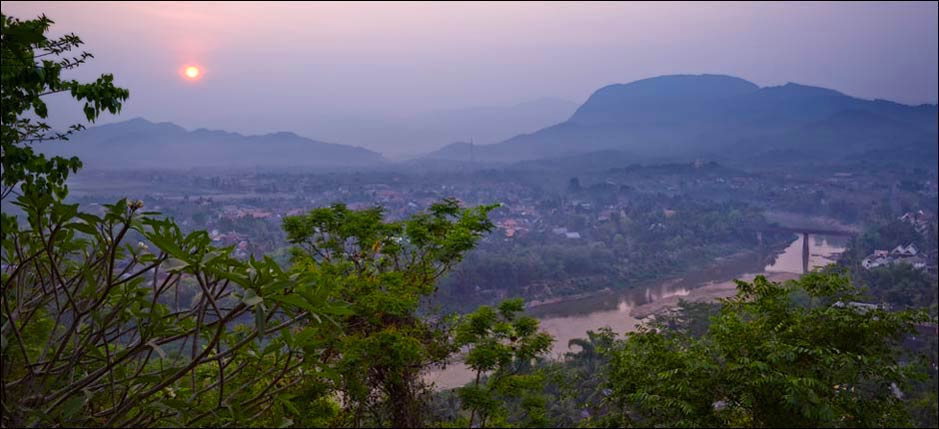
x=349 y=73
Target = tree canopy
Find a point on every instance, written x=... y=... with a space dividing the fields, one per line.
x=800 y=354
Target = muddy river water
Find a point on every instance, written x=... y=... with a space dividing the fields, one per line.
x=623 y=309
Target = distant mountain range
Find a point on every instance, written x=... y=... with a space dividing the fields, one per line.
x=139 y=143
x=663 y=119
x=411 y=135
x=683 y=117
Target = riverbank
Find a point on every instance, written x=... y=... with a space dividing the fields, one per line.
x=706 y=293
x=566 y=318
x=722 y=268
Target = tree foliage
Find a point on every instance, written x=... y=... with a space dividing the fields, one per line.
x=383 y=270
x=32 y=68
x=121 y=319
x=118 y=318
x=769 y=359
x=102 y=329
x=503 y=345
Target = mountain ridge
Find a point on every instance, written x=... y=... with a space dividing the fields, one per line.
x=146 y=144
x=687 y=116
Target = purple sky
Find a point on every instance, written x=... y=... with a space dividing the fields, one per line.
x=272 y=66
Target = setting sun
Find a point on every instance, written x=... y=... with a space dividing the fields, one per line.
x=192 y=72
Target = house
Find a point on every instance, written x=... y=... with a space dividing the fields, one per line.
x=904 y=252
x=860 y=307
x=899 y=255
x=919 y=219
x=511 y=227
x=877 y=259
x=909 y=216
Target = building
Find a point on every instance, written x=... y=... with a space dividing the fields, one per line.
x=899 y=255
x=877 y=259
x=908 y=251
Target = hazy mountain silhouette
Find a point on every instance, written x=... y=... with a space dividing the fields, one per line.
x=662 y=119
x=139 y=143
x=690 y=116
x=411 y=135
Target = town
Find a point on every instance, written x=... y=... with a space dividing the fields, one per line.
x=555 y=236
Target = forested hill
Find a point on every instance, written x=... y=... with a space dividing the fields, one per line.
x=139 y=143
x=722 y=117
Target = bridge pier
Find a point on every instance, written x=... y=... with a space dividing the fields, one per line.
x=805 y=252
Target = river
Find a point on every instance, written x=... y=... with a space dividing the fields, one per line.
x=623 y=309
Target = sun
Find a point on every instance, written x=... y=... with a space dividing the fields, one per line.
x=192 y=72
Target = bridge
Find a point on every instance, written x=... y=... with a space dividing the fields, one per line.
x=798 y=223
x=842 y=232
x=806 y=232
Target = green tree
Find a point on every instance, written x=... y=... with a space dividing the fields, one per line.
x=383 y=270
x=503 y=345
x=32 y=69
x=121 y=319
x=769 y=359
x=102 y=329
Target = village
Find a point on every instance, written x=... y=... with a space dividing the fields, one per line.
x=554 y=235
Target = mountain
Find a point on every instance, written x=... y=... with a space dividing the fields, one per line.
x=409 y=135
x=684 y=117
x=139 y=143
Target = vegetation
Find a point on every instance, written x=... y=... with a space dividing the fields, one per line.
x=122 y=319
x=769 y=360
x=900 y=285
x=32 y=69
x=503 y=345
x=383 y=271
x=773 y=355
x=100 y=329
x=655 y=237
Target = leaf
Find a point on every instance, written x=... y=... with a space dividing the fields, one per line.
x=73 y=405
x=211 y=256
x=83 y=227
x=293 y=301
x=251 y=298
x=173 y=264
x=304 y=336
x=239 y=279
x=166 y=245
x=277 y=286
x=260 y=319
x=272 y=347
x=338 y=310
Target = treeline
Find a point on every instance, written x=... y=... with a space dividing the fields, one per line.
x=643 y=241
x=774 y=355
x=901 y=285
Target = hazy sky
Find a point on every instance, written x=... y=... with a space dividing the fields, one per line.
x=273 y=66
